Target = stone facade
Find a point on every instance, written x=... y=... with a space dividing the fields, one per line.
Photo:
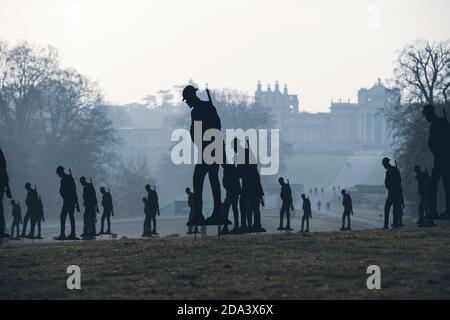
x=347 y=127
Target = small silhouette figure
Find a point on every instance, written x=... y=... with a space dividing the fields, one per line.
x=310 y=192
x=108 y=210
x=334 y=191
x=287 y=204
x=315 y=191
x=205 y=113
x=319 y=204
x=393 y=184
x=348 y=209
x=17 y=219
x=438 y=143
x=68 y=192
x=322 y=190
x=147 y=222
x=31 y=214
x=255 y=199
x=153 y=206
x=230 y=182
x=307 y=212
x=191 y=203
x=423 y=184
x=4 y=189
x=328 y=206
x=90 y=209
x=37 y=217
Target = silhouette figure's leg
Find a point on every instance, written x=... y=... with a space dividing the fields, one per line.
x=25 y=222
x=281 y=216
x=226 y=208
x=387 y=209
x=257 y=215
x=154 y=222
x=288 y=217
x=12 y=230
x=348 y=220
x=62 y=220
x=303 y=222
x=434 y=182
x=242 y=204
x=235 y=212
x=198 y=180
x=72 y=220
x=102 y=222
x=446 y=182
x=39 y=228
x=307 y=223
x=249 y=211
x=213 y=175
x=343 y=220
x=108 y=219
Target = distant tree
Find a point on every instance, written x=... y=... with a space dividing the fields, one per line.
x=50 y=116
x=422 y=73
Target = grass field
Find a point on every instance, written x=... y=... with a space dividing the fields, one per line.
x=414 y=264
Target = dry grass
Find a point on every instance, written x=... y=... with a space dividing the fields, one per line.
x=414 y=264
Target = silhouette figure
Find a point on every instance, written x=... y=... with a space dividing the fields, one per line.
x=108 y=210
x=310 y=192
x=206 y=113
x=191 y=202
x=307 y=212
x=147 y=222
x=423 y=184
x=348 y=209
x=4 y=189
x=286 y=204
x=322 y=191
x=393 y=184
x=319 y=204
x=438 y=143
x=328 y=206
x=254 y=200
x=153 y=207
x=334 y=191
x=230 y=182
x=37 y=217
x=31 y=202
x=90 y=209
x=68 y=192
x=17 y=219
x=315 y=191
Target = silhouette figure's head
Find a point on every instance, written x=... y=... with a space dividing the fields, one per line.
x=428 y=113
x=60 y=171
x=83 y=180
x=28 y=186
x=190 y=95
x=188 y=190
x=343 y=192
x=385 y=163
x=303 y=196
x=281 y=180
x=417 y=169
x=102 y=189
x=148 y=188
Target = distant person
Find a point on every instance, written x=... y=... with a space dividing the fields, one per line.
x=322 y=191
x=256 y=198
x=153 y=205
x=37 y=218
x=233 y=189
x=68 y=192
x=319 y=204
x=307 y=212
x=4 y=189
x=108 y=210
x=315 y=191
x=191 y=203
x=17 y=219
x=32 y=206
x=286 y=204
x=438 y=143
x=348 y=209
x=334 y=191
x=205 y=113
x=328 y=206
x=147 y=222
x=90 y=209
x=310 y=192
x=393 y=184
x=423 y=188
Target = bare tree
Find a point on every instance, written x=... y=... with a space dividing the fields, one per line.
x=423 y=71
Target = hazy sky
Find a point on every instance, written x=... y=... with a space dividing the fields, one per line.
x=321 y=49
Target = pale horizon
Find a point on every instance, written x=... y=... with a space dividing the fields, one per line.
x=322 y=50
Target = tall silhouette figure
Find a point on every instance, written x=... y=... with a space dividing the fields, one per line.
x=31 y=202
x=423 y=189
x=4 y=189
x=307 y=212
x=191 y=204
x=108 y=210
x=153 y=207
x=17 y=219
x=439 y=145
x=67 y=191
x=393 y=184
x=287 y=204
x=90 y=209
x=230 y=182
x=255 y=198
x=147 y=222
x=36 y=215
x=348 y=209
x=205 y=113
